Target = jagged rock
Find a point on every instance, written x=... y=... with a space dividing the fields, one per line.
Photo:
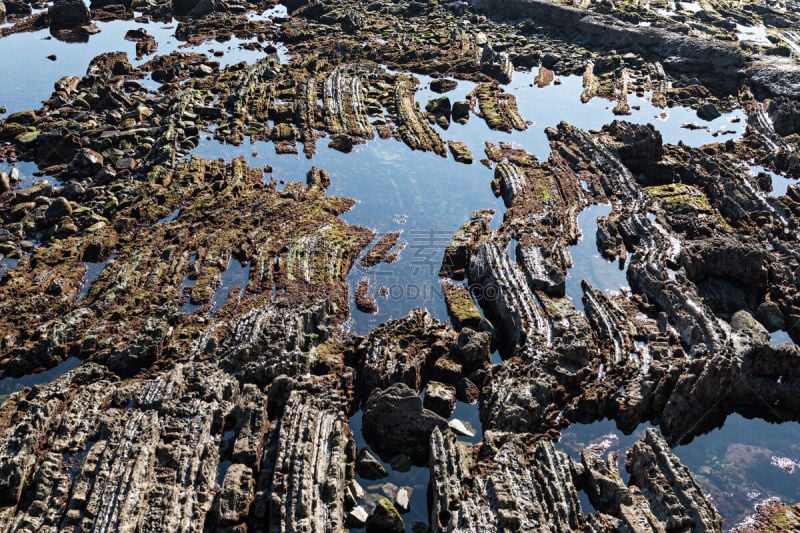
x=772 y=515
x=151 y=443
x=231 y=503
x=465 y=242
x=368 y=467
x=669 y=487
x=440 y=398
x=785 y=115
x=520 y=486
x=310 y=466
x=395 y=422
x=473 y=349
x=638 y=144
x=401 y=351
x=414 y=129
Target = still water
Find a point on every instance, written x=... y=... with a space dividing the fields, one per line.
x=427 y=198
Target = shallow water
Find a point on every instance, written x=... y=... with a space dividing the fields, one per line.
x=428 y=198
x=780 y=184
x=9 y=386
x=738 y=465
x=588 y=264
x=780 y=337
x=93 y=271
x=26 y=84
x=421 y=194
x=416 y=478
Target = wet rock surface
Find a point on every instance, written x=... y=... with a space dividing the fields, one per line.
x=216 y=374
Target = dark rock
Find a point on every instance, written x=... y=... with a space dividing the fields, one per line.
x=395 y=422
x=473 y=349
x=550 y=60
x=460 y=112
x=60 y=207
x=385 y=519
x=708 y=112
x=443 y=85
x=66 y=14
x=368 y=467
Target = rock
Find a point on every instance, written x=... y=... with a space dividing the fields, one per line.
x=460 y=428
x=412 y=125
x=708 y=112
x=401 y=351
x=461 y=307
x=458 y=252
x=231 y=503
x=770 y=315
x=669 y=486
x=772 y=515
x=67 y=14
x=523 y=486
x=473 y=349
x=442 y=85
x=60 y=207
x=638 y=145
x=745 y=324
x=460 y=112
x=395 y=421
x=402 y=500
x=785 y=115
x=86 y=162
x=368 y=467
x=193 y=8
x=440 y=398
x=357 y=517
x=385 y=519
x=342 y=143
x=312 y=441
x=550 y=60
x=460 y=151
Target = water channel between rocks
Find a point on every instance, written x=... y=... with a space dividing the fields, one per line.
x=427 y=198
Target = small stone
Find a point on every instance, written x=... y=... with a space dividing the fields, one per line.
x=440 y=398
x=59 y=208
x=357 y=518
x=368 y=467
x=402 y=500
x=460 y=428
x=443 y=85
x=708 y=112
x=385 y=519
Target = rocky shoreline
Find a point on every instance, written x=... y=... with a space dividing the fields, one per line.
x=191 y=313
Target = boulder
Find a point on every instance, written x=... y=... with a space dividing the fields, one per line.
x=65 y=14
x=395 y=421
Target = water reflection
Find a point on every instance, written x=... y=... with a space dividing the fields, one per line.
x=588 y=264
